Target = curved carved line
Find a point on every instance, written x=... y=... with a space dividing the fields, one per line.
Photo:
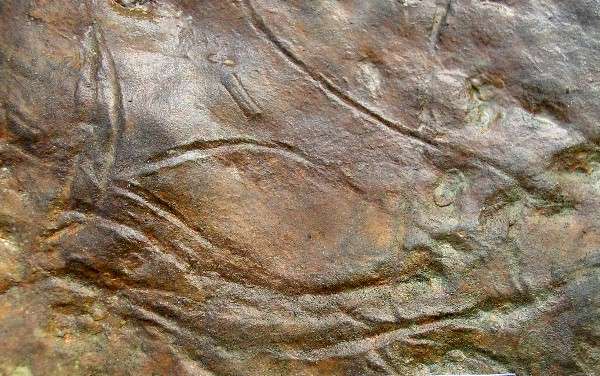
x=330 y=89
x=367 y=344
x=240 y=95
x=175 y=219
x=273 y=146
x=200 y=145
x=217 y=261
x=98 y=93
x=416 y=331
x=199 y=154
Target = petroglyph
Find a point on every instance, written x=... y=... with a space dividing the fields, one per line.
x=99 y=99
x=234 y=86
x=324 y=188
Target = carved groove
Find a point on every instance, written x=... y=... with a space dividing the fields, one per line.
x=239 y=93
x=217 y=257
x=98 y=93
x=331 y=90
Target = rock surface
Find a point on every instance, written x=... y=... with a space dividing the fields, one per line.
x=270 y=187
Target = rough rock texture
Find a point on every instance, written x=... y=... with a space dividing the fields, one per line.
x=294 y=187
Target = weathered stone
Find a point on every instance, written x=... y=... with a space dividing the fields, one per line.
x=268 y=187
